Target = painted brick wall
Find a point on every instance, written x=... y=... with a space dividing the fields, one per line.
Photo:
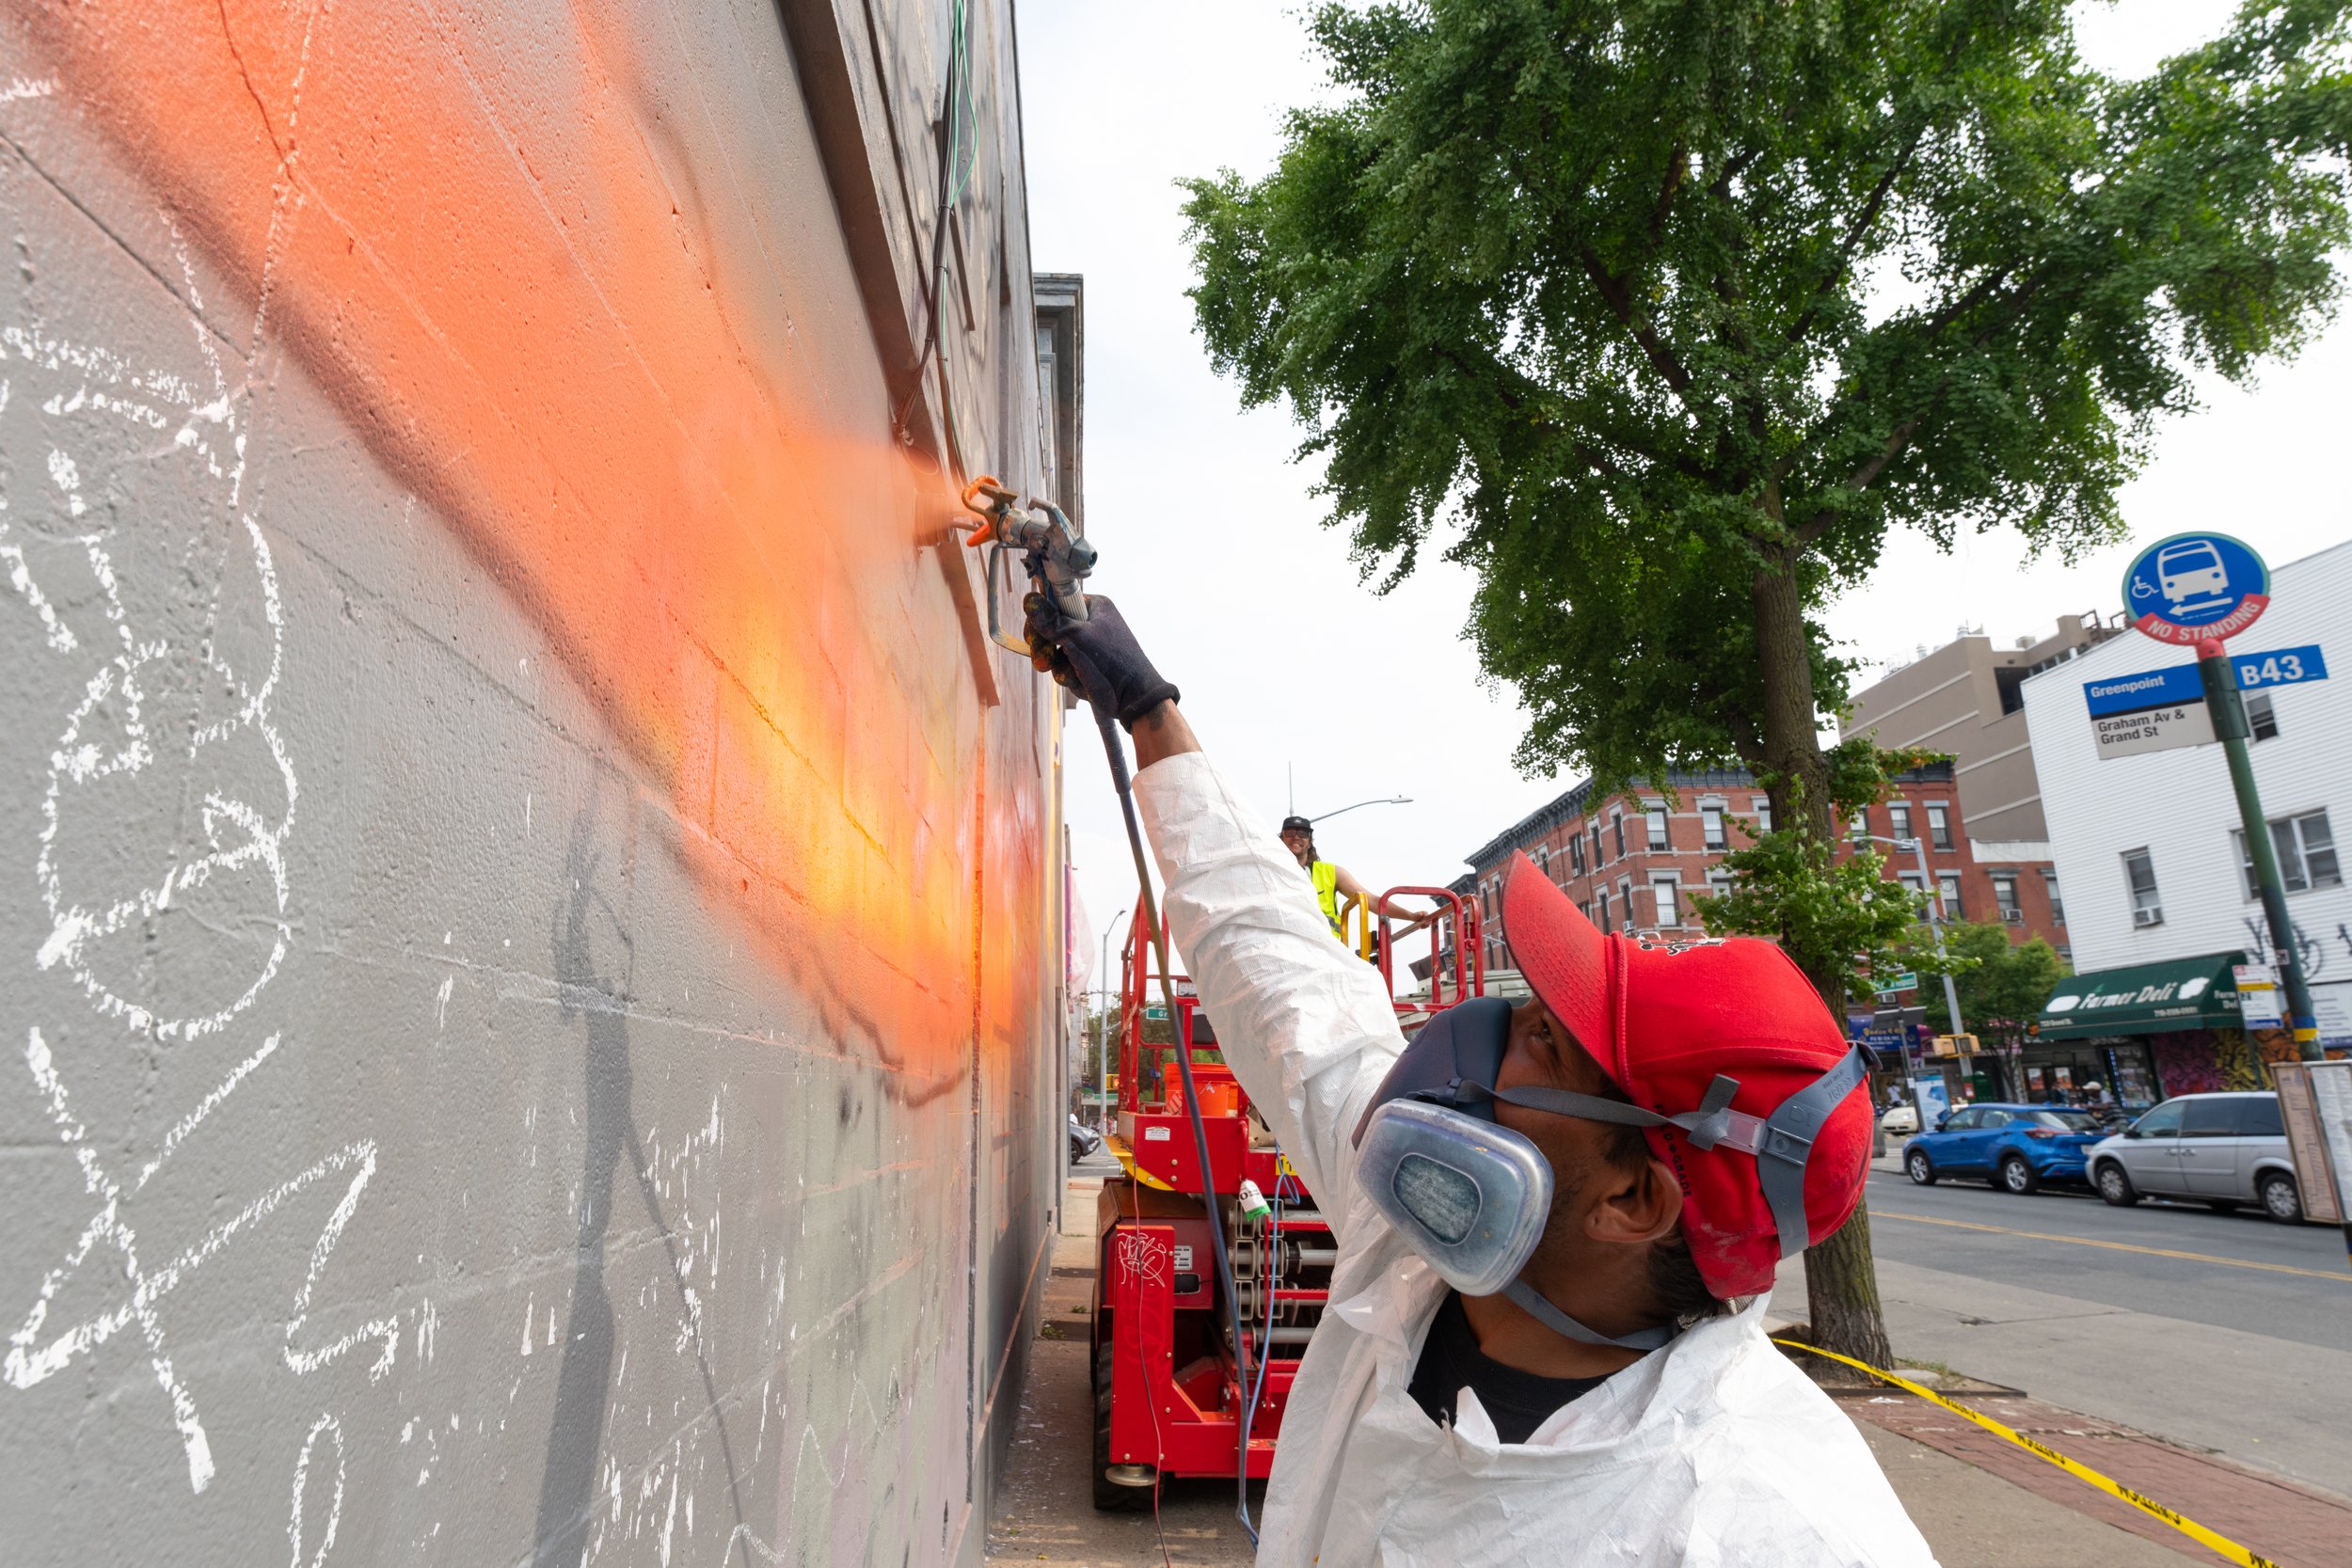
x=530 y=924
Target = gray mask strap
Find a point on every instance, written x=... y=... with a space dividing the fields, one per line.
x=1787 y=1144
x=1530 y=1302
x=1713 y=1122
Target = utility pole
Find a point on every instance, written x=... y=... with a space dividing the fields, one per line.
x=1935 y=890
x=1935 y=928
x=2228 y=710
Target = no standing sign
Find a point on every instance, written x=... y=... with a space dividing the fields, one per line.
x=2194 y=586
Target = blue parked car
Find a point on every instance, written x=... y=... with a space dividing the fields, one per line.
x=2016 y=1147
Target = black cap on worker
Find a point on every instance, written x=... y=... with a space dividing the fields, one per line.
x=1298 y=825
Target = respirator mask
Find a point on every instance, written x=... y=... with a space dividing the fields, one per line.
x=1472 y=1197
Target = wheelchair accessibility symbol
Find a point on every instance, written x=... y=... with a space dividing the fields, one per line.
x=2194 y=586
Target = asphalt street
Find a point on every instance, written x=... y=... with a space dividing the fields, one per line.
x=2235 y=1271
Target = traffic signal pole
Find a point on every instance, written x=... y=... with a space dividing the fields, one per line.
x=2229 y=727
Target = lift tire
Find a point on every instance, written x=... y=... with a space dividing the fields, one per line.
x=2019 y=1176
x=2114 y=1186
x=1919 y=1167
x=1109 y=1496
x=2281 y=1199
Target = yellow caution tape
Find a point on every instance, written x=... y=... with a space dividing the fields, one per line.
x=2081 y=1472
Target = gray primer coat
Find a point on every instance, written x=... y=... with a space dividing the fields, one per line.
x=411 y=1150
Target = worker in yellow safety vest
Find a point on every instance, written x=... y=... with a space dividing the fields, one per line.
x=1335 y=882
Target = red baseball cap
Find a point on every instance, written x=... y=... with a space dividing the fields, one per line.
x=1665 y=1020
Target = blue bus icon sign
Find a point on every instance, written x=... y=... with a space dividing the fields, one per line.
x=2193 y=586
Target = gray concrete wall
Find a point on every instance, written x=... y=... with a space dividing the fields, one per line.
x=529 y=916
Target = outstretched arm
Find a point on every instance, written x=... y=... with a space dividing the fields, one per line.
x=1305 y=1026
x=1351 y=888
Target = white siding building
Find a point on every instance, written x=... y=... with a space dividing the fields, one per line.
x=2146 y=847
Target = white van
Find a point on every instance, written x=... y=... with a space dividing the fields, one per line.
x=2223 y=1149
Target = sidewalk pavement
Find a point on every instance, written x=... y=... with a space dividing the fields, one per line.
x=2266 y=1404
x=1981 y=1502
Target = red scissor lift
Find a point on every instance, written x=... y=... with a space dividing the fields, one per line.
x=1172 y=1389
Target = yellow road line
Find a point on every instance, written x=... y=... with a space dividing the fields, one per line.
x=2114 y=1246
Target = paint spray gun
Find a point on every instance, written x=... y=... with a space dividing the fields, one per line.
x=1057 y=559
x=1056 y=556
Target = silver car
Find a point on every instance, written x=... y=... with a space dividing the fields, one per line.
x=2224 y=1149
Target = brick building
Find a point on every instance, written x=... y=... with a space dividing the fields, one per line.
x=1635 y=859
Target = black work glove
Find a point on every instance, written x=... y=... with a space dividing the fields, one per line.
x=1097 y=658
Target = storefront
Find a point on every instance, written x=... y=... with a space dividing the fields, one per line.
x=2145 y=1033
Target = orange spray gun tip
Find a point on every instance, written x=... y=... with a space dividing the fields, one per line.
x=998 y=498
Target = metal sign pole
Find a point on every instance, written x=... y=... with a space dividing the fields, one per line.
x=2228 y=711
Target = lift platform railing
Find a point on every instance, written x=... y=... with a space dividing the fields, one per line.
x=1456 y=951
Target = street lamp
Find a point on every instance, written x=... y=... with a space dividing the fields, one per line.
x=1102 y=1024
x=1935 y=890
x=1384 y=800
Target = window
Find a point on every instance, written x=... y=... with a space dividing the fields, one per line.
x=1657 y=815
x=1576 y=853
x=1939 y=825
x=1669 y=904
x=1711 y=822
x=1992 y=1117
x=1717 y=883
x=2139 y=875
x=1948 y=884
x=2162 y=1122
x=1762 y=806
x=1616 y=822
x=2262 y=719
x=1601 y=906
x=2258 y=1117
x=1899 y=817
x=1918 y=886
x=1861 y=824
x=2005 y=898
x=1961 y=1121
x=2210 y=1118
x=2306 y=848
x=1597 y=861
x=2049 y=884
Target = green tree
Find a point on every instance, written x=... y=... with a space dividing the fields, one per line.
x=2001 y=986
x=1670 y=309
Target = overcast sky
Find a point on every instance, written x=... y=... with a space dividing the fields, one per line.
x=1214 y=547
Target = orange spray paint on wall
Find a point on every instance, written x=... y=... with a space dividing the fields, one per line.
x=478 y=258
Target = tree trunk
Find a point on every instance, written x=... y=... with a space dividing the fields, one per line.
x=1842 y=1278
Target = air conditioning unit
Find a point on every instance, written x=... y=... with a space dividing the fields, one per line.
x=2012 y=917
x=2148 y=917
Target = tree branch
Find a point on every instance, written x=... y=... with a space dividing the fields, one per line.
x=1516 y=393
x=1864 y=222
x=1859 y=480
x=1619 y=298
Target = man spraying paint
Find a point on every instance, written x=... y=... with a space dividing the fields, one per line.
x=1557 y=1223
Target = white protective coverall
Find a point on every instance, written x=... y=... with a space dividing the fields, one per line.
x=1712 y=1451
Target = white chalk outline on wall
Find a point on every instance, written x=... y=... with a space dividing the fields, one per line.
x=326 y=1423
x=79 y=761
x=238 y=835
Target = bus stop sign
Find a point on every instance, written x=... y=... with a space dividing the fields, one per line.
x=2193 y=586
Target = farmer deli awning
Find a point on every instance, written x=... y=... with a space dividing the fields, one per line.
x=2144 y=999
